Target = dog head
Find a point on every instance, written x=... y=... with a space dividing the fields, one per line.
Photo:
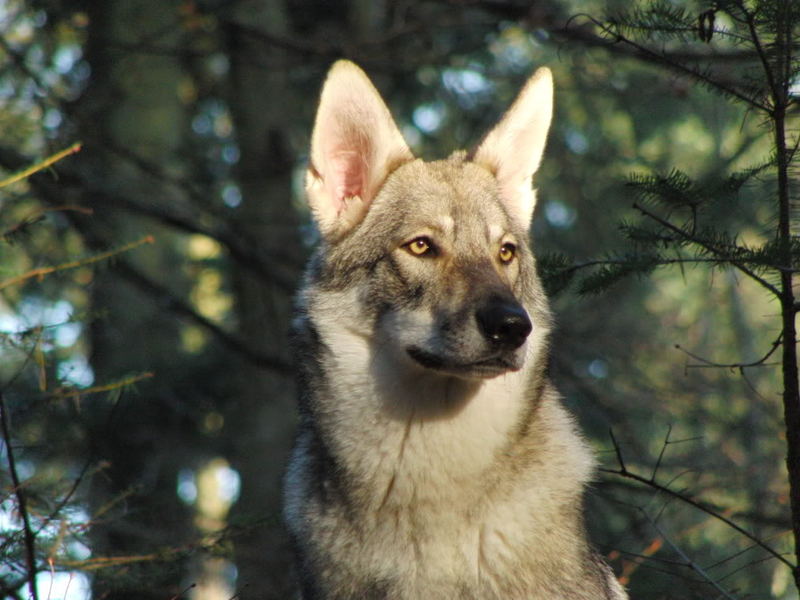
x=434 y=254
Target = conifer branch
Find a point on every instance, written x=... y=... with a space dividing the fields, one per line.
x=704 y=244
x=616 y=37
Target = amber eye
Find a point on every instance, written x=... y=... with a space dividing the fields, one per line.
x=507 y=252
x=420 y=246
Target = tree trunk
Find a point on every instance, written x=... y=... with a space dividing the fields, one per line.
x=791 y=389
x=262 y=417
x=132 y=104
x=780 y=80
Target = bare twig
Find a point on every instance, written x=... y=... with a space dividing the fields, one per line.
x=618 y=452
x=67 y=497
x=661 y=454
x=10 y=233
x=761 y=362
x=180 y=595
x=97 y=389
x=30 y=538
x=623 y=471
x=687 y=560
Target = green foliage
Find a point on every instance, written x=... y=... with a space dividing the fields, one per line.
x=616 y=269
x=556 y=271
x=203 y=309
x=730 y=220
x=658 y=20
x=678 y=189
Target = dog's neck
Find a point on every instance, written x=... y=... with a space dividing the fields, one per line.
x=388 y=420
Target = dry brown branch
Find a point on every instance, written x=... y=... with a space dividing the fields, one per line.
x=25 y=173
x=63 y=393
x=41 y=272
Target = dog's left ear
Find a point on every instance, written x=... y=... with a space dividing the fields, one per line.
x=513 y=150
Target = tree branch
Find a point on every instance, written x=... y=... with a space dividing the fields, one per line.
x=180 y=307
x=622 y=471
x=756 y=363
x=687 y=560
x=667 y=60
x=30 y=538
x=703 y=244
x=76 y=147
x=41 y=272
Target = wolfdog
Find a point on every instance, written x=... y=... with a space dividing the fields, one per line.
x=433 y=458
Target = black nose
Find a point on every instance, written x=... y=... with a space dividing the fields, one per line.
x=504 y=323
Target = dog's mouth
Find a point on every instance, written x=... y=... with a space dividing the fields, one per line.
x=485 y=368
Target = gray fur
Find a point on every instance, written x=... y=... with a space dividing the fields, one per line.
x=430 y=462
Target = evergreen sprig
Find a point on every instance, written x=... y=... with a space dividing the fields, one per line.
x=647 y=29
x=677 y=189
x=663 y=20
x=614 y=269
x=663 y=243
x=556 y=271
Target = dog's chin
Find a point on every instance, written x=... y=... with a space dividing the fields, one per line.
x=484 y=368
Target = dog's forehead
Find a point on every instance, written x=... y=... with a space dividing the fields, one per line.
x=450 y=192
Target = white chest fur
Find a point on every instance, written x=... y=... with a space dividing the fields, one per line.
x=444 y=484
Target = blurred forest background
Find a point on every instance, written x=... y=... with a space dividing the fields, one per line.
x=146 y=279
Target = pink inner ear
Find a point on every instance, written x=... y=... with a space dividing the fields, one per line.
x=347 y=177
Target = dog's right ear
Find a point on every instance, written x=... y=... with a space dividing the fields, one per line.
x=354 y=147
